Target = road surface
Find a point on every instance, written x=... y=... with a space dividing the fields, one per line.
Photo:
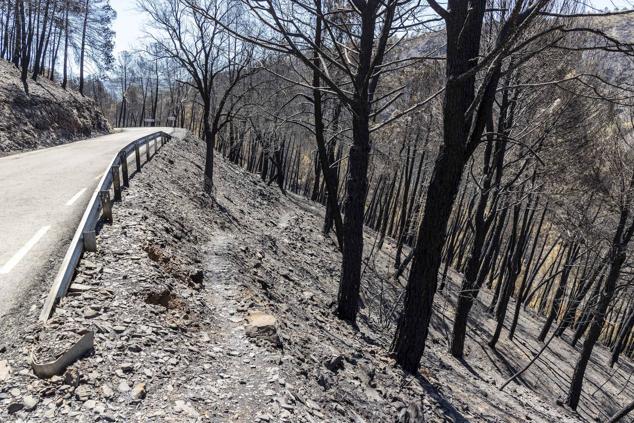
x=43 y=195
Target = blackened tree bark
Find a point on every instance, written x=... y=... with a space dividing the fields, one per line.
x=464 y=119
x=193 y=35
x=66 y=39
x=324 y=163
x=464 y=26
x=506 y=287
x=525 y=284
x=624 y=332
x=39 y=48
x=82 y=52
x=617 y=256
x=402 y=222
x=618 y=416
x=577 y=298
x=27 y=40
x=372 y=21
x=584 y=319
x=469 y=290
x=356 y=187
x=571 y=257
x=409 y=217
x=357 y=181
x=19 y=32
x=329 y=218
x=493 y=166
x=5 y=53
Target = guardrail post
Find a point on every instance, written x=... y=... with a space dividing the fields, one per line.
x=116 y=183
x=156 y=146
x=123 y=158
x=137 y=154
x=147 y=151
x=90 y=241
x=106 y=205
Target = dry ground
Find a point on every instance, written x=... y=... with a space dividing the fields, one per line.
x=177 y=274
x=47 y=116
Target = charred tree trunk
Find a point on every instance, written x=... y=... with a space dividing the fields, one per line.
x=356 y=188
x=506 y=288
x=577 y=298
x=19 y=32
x=621 y=341
x=617 y=257
x=329 y=176
x=39 y=48
x=469 y=289
x=357 y=182
x=66 y=39
x=210 y=142
x=27 y=38
x=524 y=285
x=559 y=293
x=82 y=54
x=413 y=326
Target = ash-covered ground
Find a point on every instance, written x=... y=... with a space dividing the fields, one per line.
x=221 y=311
x=47 y=116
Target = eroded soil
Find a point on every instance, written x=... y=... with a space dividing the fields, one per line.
x=177 y=275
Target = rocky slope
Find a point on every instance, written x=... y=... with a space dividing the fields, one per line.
x=47 y=116
x=222 y=312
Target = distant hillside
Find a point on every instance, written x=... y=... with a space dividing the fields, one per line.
x=614 y=66
x=48 y=116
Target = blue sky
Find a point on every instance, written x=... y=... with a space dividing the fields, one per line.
x=128 y=26
x=130 y=21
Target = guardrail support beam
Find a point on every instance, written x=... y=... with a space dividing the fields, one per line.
x=116 y=183
x=85 y=236
x=137 y=155
x=123 y=158
x=90 y=241
x=106 y=205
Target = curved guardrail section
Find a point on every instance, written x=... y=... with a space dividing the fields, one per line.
x=100 y=205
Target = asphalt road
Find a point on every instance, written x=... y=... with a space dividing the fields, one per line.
x=43 y=195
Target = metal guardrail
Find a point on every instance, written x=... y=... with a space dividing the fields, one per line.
x=100 y=206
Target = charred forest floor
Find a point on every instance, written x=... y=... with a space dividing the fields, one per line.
x=47 y=116
x=175 y=279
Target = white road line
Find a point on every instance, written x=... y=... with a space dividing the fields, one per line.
x=23 y=251
x=75 y=197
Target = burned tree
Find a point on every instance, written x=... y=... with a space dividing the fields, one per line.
x=194 y=36
x=354 y=47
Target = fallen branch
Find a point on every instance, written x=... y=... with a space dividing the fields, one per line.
x=516 y=375
x=622 y=413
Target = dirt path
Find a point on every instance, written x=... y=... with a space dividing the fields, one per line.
x=174 y=279
x=251 y=380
